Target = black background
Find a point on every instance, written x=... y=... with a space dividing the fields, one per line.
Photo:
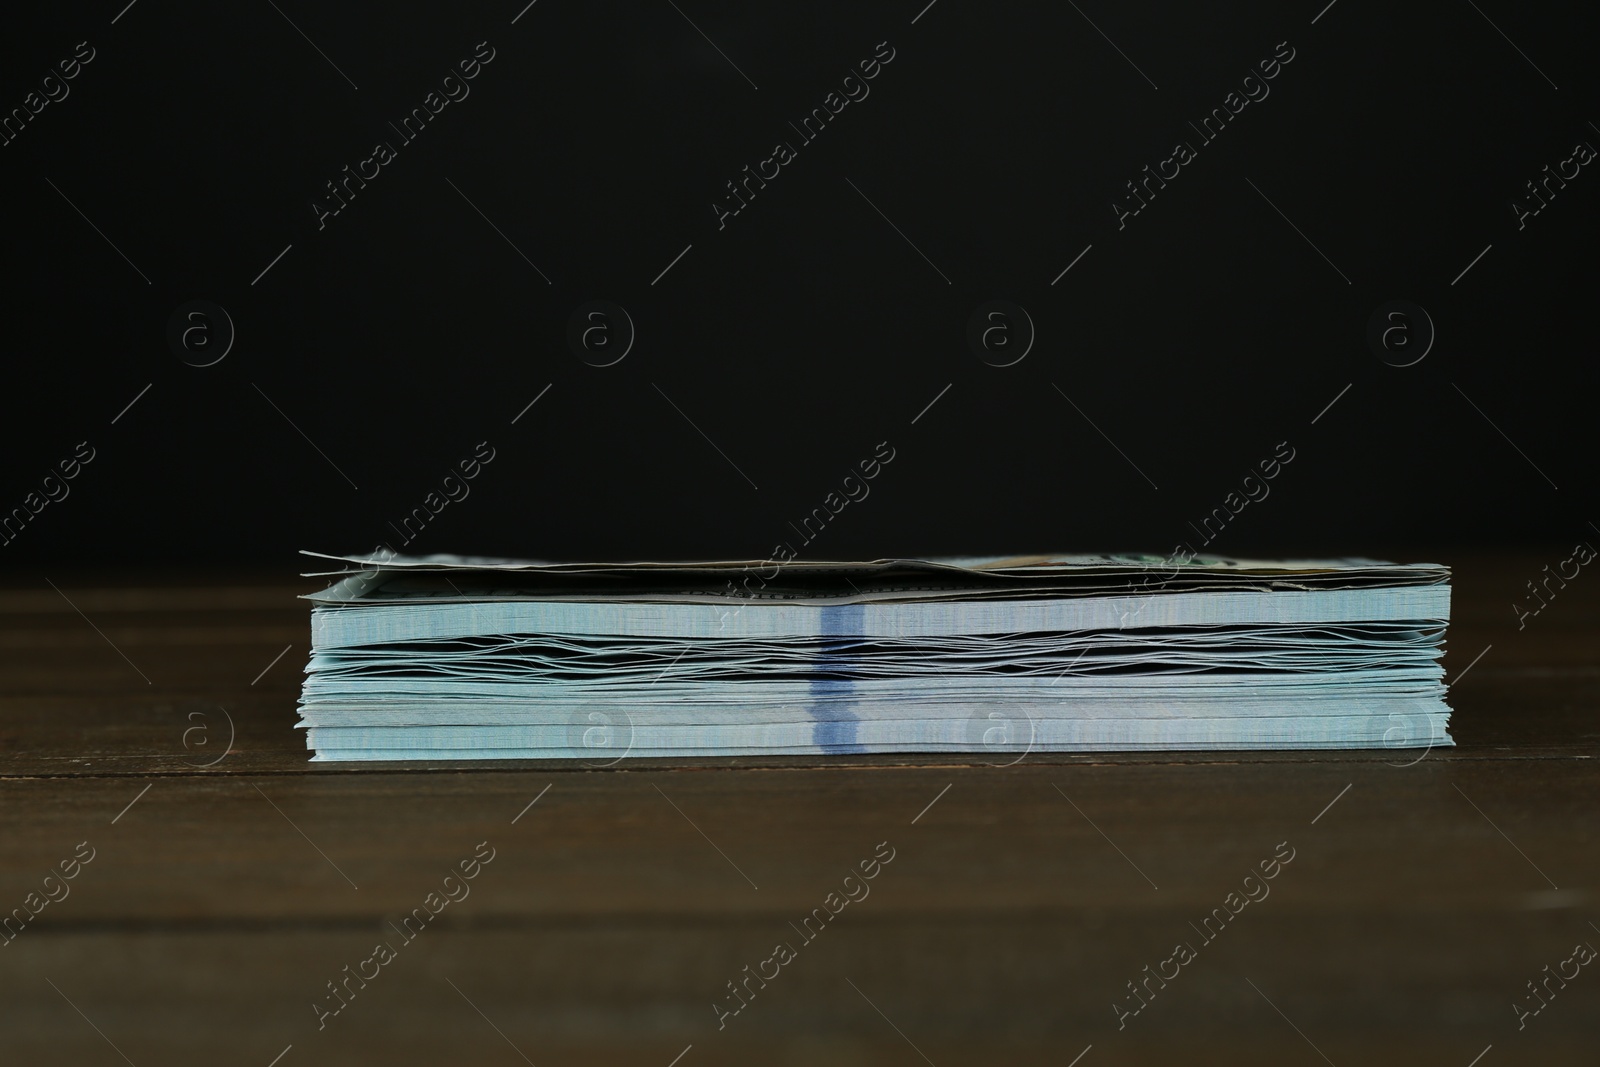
x=807 y=330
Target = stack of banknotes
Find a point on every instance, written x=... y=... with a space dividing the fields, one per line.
x=448 y=657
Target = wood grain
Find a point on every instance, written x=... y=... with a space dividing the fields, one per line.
x=1421 y=898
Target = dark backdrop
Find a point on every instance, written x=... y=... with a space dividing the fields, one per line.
x=775 y=350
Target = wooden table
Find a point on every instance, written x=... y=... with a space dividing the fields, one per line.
x=229 y=886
